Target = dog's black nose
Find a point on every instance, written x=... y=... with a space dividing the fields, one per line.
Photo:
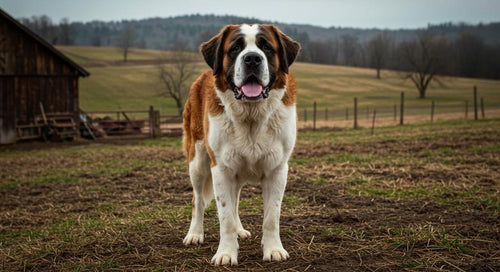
x=252 y=59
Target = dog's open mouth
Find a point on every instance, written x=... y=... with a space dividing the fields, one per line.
x=251 y=90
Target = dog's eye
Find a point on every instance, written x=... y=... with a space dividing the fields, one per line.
x=235 y=49
x=268 y=48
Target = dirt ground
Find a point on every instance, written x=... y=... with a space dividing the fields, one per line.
x=407 y=199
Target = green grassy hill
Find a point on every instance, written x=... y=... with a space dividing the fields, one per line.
x=109 y=56
x=134 y=85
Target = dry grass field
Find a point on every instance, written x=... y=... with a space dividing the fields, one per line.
x=412 y=198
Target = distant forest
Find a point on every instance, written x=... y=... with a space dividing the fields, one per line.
x=449 y=49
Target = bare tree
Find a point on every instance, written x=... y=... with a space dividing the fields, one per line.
x=423 y=59
x=175 y=74
x=378 y=49
x=43 y=26
x=126 y=41
x=66 y=32
x=206 y=35
x=471 y=57
x=349 y=45
x=323 y=51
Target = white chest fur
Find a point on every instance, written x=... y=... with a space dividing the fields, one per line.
x=252 y=139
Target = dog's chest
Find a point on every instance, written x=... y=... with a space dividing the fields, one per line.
x=253 y=147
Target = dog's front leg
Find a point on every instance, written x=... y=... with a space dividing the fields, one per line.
x=226 y=194
x=273 y=188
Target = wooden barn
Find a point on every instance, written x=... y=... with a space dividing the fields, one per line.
x=38 y=84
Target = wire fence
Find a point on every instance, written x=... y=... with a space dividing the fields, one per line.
x=399 y=113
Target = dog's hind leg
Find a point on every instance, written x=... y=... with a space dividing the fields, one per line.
x=242 y=233
x=199 y=173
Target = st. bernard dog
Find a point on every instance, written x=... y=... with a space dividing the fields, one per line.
x=240 y=127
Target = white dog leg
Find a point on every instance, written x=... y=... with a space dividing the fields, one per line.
x=273 y=188
x=242 y=233
x=226 y=195
x=199 y=171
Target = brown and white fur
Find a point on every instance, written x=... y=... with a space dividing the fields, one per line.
x=240 y=127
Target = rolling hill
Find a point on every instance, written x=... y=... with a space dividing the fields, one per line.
x=134 y=85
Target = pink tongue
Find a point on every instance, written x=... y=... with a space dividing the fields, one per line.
x=252 y=89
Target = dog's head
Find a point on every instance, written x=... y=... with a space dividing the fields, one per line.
x=250 y=60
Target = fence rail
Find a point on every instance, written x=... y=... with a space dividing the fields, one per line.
x=355 y=116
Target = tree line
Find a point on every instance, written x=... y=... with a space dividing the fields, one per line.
x=467 y=55
x=446 y=49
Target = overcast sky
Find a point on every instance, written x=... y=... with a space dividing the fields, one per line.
x=391 y=14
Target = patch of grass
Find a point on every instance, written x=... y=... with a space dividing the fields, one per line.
x=482 y=149
x=118 y=166
x=55 y=179
x=350 y=158
x=39 y=180
x=111 y=167
x=411 y=236
x=489 y=203
x=336 y=230
x=106 y=265
x=252 y=205
x=176 y=214
x=317 y=180
x=292 y=200
x=211 y=210
x=300 y=161
x=163 y=142
x=11 y=237
x=454 y=161
x=357 y=181
x=453 y=197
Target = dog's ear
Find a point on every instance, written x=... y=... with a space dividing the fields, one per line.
x=288 y=49
x=213 y=50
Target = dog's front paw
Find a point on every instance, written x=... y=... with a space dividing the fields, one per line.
x=275 y=254
x=193 y=239
x=225 y=258
x=243 y=234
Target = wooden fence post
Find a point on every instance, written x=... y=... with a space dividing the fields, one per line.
x=314 y=116
x=395 y=112
x=401 y=116
x=482 y=107
x=466 y=109
x=373 y=121
x=355 y=112
x=475 y=102
x=156 y=124
x=432 y=111
x=305 y=115
x=151 y=121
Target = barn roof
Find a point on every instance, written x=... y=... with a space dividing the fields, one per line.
x=40 y=40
